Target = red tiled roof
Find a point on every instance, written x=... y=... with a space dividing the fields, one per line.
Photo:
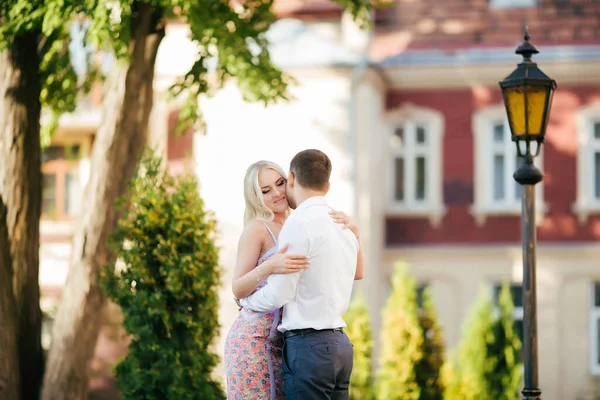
x=306 y=9
x=454 y=24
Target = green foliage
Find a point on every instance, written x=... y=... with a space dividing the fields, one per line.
x=230 y=37
x=428 y=369
x=453 y=386
x=505 y=376
x=469 y=369
x=359 y=331
x=167 y=289
x=401 y=341
x=488 y=366
x=235 y=37
x=47 y=20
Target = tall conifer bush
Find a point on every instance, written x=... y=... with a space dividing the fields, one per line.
x=487 y=365
x=167 y=288
x=359 y=331
x=428 y=369
x=401 y=340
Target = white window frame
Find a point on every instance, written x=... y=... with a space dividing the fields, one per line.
x=594 y=317
x=585 y=204
x=483 y=204
x=507 y=4
x=433 y=207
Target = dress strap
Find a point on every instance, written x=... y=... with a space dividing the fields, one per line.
x=270 y=232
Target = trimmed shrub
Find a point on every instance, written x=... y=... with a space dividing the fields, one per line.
x=166 y=288
x=359 y=331
x=428 y=369
x=488 y=365
x=504 y=352
x=401 y=341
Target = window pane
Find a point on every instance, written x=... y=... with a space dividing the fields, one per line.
x=519 y=330
x=52 y=153
x=399 y=132
x=496 y=293
x=596 y=294
x=597 y=130
x=72 y=153
x=420 y=189
x=72 y=192
x=597 y=174
x=420 y=290
x=398 y=138
x=421 y=135
x=399 y=171
x=69 y=153
x=49 y=194
x=516 y=292
x=498 y=177
x=498 y=133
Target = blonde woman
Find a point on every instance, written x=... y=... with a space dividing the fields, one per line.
x=253 y=345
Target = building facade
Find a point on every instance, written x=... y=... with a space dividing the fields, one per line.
x=438 y=192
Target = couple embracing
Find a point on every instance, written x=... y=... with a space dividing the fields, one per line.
x=293 y=281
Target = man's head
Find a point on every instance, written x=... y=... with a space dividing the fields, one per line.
x=309 y=171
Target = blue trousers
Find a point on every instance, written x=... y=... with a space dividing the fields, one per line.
x=317 y=366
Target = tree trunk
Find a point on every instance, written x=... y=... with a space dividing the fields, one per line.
x=20 y=188
x=120 y=140
x=9 y=356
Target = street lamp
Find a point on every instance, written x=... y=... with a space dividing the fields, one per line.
x=527 y=93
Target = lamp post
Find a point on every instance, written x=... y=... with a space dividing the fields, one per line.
x=527 y=93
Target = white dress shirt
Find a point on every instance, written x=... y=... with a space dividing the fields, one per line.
x=317 y=296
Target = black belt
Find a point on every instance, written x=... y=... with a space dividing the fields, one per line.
x=296 y=332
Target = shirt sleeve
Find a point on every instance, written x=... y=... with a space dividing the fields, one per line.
x=281 y=288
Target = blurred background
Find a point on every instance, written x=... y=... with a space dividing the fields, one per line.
x=412 y=117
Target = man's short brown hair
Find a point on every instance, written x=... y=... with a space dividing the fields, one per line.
x=312 y=169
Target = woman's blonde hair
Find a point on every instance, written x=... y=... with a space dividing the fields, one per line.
x=253 y=196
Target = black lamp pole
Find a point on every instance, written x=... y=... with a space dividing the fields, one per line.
x=528 y=95
x=528 y=176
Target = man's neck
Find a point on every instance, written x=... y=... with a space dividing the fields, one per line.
x=304 y=194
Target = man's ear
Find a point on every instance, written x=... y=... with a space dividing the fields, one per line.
x=327 y=187
x=291 y=179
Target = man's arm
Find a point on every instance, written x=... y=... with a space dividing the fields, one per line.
x=281 y=288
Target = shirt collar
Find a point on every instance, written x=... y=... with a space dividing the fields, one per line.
x=312 y=201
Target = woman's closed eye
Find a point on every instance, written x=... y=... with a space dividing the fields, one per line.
x=280 y=182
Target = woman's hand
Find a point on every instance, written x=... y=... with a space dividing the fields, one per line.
x=281 y=263
x=340 y=217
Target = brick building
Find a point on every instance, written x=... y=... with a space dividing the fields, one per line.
x=432 y=128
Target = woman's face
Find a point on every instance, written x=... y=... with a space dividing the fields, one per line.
x=272 y=186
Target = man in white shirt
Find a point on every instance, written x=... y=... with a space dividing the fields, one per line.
x=317 y=354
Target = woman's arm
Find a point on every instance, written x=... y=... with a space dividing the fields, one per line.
x=360 y=262
x=341 y=218
x=247 y=275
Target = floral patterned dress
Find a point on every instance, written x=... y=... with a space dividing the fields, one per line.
x=253 y=352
